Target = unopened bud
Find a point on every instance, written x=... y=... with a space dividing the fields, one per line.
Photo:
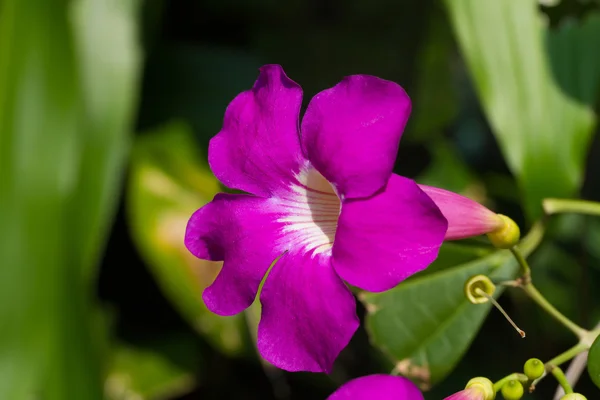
x=573 y=396
x=507 y=235
x=534 y=368
x=512 y=390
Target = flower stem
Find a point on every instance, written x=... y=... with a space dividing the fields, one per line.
x=541 y=301
x=526 y=271
x=567 y=355
x=515 y=376
x=582 y=346
x=562 y=379
x=555 y=206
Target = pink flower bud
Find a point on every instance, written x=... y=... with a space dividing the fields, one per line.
x=465 y=217
x=477 y=389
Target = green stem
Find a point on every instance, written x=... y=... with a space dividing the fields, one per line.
x=515 y=376
x=526 y=271
x=583 y=345
x=567 y=355
x=541 y=301
x=555 y=206
x=562 y=379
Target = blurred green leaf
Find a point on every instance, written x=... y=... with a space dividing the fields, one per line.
x=542 y=129
x=593 y=362
x=161 y=369
x=106 y=44
x=574 y=61
x=58 y=184
x=170 y=180
x=425 y=325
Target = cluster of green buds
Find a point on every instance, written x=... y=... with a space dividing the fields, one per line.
x=512 y=387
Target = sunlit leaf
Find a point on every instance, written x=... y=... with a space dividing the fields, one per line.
x=543 y=122
x=170 y=180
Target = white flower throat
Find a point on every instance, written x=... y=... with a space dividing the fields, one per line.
x=311 y=211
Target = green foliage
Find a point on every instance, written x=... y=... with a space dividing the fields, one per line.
x=62 y=147
x=168 y=183
x=543 y=122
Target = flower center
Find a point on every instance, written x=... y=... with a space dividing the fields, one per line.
x=312 y=209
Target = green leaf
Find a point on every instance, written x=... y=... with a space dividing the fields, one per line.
x=49 y=158
x=108 y=56
x=161 y=369
x=170 y=180
x=593 y=363
x=426 y=325
x=542 y=128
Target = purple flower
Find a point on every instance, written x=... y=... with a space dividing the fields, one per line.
x=380 y=387
x=324 y=208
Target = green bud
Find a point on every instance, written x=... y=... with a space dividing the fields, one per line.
x=573 y=396
x=507 y=235
x=512 y=390
x=534 y=368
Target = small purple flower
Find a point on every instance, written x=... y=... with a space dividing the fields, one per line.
x=380 y=387
x=324 y=208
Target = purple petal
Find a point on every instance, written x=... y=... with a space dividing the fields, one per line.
x=258 y=148
x=308 y=314
x=383 y=240
x=239 y=229
x=351 y=132
x=465 y=217
x=380 y=387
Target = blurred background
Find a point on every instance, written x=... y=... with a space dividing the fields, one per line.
x=106 y=109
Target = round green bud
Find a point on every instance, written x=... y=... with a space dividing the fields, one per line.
x=507 y=235
x=512 y=390
x=534 y=368
x=573 y=396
